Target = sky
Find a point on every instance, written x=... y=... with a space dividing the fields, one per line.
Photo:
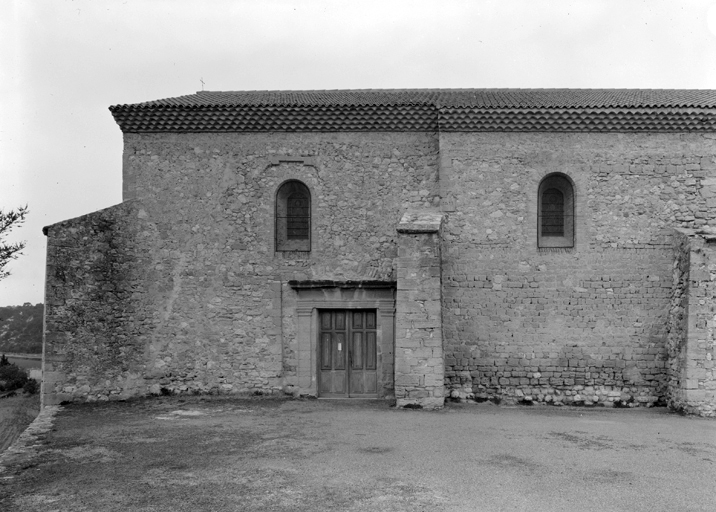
x=64 y=62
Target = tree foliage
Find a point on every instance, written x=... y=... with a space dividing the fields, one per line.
x=9 y=251
x=13 y=377
x=21 y=328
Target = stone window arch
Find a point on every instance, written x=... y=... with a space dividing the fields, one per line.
x=555 y=207
x=293 y=217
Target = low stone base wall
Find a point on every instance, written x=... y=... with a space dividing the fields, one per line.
x=695 y=407
x=606 y=396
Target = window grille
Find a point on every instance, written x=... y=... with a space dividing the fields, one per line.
x=298 y=217
x=552 y=213
x=293 y=217
x=555 y=217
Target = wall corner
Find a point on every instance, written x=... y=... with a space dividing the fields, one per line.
x=692 y=324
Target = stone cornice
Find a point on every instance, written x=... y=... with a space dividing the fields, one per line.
x=315 y=284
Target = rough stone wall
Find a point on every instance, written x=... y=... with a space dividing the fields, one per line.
x=677 y=321
x=213 y=311
x=700 y=373
x=419 y=364
x=360 y=185
x=581 y=325
x=118 y=321
x=692 y=342
x=179 y=288
x=95 y=323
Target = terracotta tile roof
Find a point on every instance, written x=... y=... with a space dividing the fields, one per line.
x=426 y=109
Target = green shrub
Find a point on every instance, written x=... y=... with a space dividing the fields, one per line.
x=31 y=387
x=12 y=377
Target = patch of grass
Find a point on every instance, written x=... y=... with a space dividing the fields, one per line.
x=16 y=413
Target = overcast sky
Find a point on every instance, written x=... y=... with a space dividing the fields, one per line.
x=63 y=62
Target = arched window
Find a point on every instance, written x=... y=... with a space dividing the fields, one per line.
x=293 y=217
x=552 y=212
x=555 y=223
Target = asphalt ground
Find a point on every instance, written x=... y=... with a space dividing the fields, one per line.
x=177 y=454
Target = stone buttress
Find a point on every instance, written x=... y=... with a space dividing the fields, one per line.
x=419 y=365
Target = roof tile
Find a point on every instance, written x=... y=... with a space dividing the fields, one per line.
x=426 y=110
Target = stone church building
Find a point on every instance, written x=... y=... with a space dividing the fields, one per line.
x=521 y=245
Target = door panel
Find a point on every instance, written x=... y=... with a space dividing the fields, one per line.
x=340 y=317
x=339 y=351
x=326 y=322
x=326 y=351
x=370 y=320
x=370 y=355
x=357 y=351
x=348 y=353
x=332 y=350
x=364 y=384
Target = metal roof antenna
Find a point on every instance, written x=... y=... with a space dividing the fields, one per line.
x=202 y=83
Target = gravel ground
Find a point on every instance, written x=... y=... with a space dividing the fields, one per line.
x=189 y=454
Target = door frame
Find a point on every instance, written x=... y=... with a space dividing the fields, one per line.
x=349 y=346
x=310 y=296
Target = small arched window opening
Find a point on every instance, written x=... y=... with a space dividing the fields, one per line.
x=555 y=223
x=293 y=217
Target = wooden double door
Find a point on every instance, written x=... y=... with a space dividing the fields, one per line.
x=347 y=353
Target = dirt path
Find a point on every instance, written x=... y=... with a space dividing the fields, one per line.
x=273 y=455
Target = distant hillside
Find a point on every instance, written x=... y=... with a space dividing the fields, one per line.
x=21 y=328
